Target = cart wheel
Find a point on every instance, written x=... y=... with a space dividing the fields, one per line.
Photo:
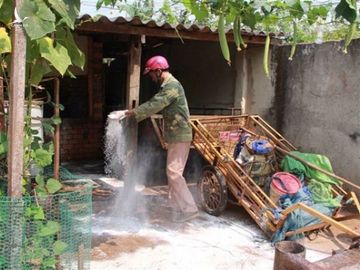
x=212 y=191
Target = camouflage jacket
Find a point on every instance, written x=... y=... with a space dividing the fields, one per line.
x=171 y=101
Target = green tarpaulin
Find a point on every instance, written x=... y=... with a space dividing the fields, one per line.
x=292 y=165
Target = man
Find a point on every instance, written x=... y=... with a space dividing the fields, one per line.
x=171 y=101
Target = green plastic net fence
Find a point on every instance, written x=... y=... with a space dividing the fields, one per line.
x=46 y=233
x=64 y=173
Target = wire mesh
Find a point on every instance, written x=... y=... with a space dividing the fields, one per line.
x=53 y=232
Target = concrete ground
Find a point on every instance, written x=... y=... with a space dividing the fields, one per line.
x=136 y=232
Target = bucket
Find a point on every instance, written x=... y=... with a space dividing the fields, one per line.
x=290 y=255
x=283 y=183
x=37 y=112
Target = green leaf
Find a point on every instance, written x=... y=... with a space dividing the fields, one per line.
x=198 y=9
x=58 y=56
x=49 y=146
x=44 y=12
x=53 y=185
x=50 y=228
x=27 y=141
x=250 y=19
x=39 y=69
x=5 y=43
x=59 y=247
x=28 y=212
x=38 y=20
x=39 y=179
x=346 y=10
x=48 y=128
x=35 y=211
x=68 y=10
x=49 y=262
x=171 y=18
x=270 y=20
x=42 y=157
x=65 y=37
x=99 y=3
x=317 y=12
x=296 y=10
x=3 y=148
x=32 y=51
x=38 y=213
x=6 y=11
x=41 y=192
x=56 y=120
x=3 y=143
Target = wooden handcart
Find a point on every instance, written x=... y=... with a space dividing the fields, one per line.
x=215 y=138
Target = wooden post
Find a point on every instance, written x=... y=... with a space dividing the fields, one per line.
x=2 y=106
x=132 y=101
x=15 y=138
x=134 y=72
x=81 y=257
x=16 y=107
x=133 y=82
x=57 y=129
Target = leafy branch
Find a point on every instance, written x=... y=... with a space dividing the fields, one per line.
x=297 y=18
x=48 y=25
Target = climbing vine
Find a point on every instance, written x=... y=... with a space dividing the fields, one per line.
x=48 y=25
x=300 y=20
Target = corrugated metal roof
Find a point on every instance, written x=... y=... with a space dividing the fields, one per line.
x=136 y=21
x=113 y=15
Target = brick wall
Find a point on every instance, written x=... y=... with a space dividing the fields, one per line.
x=81 y=139
x=81 y=136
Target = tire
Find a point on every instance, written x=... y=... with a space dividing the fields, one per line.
x=212 y=191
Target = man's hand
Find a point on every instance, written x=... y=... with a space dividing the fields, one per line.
x=129 y=113
x=117 y=115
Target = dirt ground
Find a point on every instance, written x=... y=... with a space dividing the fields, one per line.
x=136 y=232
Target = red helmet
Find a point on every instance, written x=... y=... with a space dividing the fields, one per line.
x=156 y=62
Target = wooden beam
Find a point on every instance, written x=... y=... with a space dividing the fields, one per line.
x=134 y=72
x=128 y=29
x=325 y=219
x=328 y=220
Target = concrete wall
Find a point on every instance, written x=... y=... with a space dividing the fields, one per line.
x=207 y=79
x=320 y=103
x=254 y=91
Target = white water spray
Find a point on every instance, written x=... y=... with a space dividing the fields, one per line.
x=128 y=208
x=115 y=149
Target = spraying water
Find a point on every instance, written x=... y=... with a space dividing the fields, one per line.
x=128 y=209
x=115 y=149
